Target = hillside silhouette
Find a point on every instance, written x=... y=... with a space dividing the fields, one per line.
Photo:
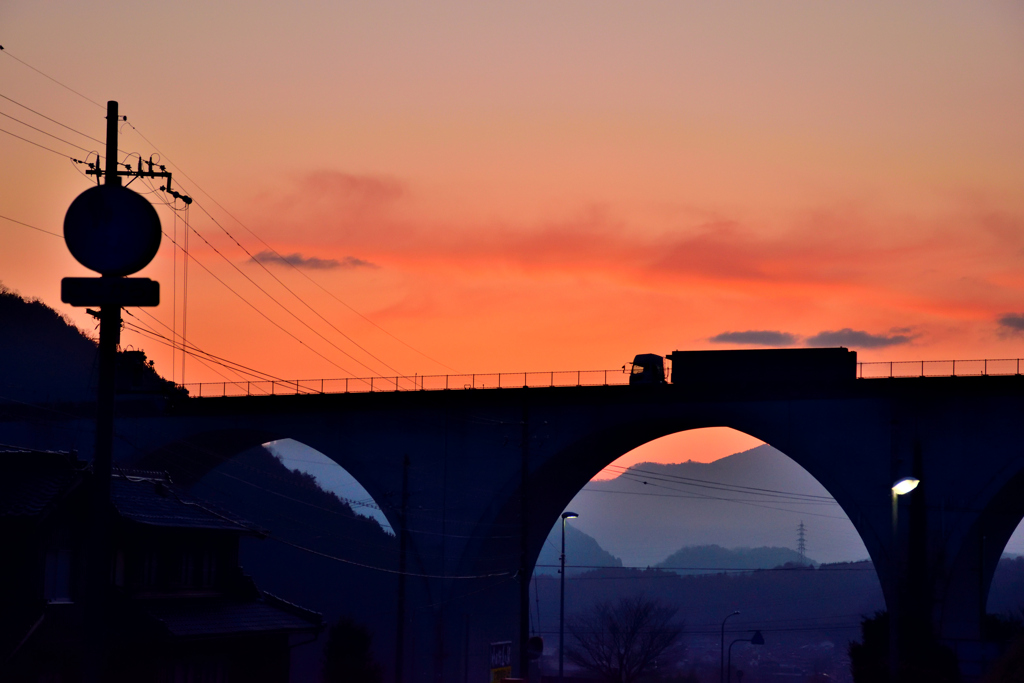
x=303 y=520
x=44 y=358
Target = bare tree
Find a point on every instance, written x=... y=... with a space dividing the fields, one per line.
x=621 y=642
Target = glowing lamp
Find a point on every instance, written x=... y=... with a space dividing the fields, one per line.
x=905 y=485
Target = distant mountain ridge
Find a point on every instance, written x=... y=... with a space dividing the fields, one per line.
x=582 y=552
x=704 y=559
x=643 y=523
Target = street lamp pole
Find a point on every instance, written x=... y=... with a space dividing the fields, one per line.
x=561 y=602
x=758 y=639
x=901 y=487
x=721 y=660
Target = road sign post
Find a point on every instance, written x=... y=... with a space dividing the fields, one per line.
x=115 y=232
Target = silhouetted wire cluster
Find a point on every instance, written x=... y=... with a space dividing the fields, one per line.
x=178 y=341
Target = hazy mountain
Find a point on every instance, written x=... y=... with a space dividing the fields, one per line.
x=581 y=550
x=704 y=559
x=643 y=523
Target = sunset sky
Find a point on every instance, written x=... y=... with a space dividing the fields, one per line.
x=542 y=186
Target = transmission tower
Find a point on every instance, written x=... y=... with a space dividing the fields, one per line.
x=801 y=542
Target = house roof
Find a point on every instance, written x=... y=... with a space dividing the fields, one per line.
x=31 y=481
x=222 y=617
x=150 y=498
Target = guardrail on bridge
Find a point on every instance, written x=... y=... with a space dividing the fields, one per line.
x=352 y=385
x=564 y=378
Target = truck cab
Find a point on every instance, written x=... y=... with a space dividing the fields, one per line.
x=647 y=368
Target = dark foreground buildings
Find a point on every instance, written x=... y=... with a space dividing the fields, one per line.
x=180 y=608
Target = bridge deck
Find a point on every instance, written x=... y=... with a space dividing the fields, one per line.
x=563 y=378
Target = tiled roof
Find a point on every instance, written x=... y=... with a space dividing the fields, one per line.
x=216 y=616
x=154 y=501
x=32 y=480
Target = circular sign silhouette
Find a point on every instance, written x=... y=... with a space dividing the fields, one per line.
x=112 y=230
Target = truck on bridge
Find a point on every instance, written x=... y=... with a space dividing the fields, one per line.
x=747 y=366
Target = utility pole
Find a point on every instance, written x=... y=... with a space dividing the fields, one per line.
x=524 y=548
x=96 y=626
x=402 y=533
x=115 y=232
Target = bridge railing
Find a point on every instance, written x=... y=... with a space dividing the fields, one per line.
x=564 y=378
x=939 y=368
x=352 y=385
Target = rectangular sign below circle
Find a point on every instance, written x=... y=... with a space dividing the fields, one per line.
x=110 y=291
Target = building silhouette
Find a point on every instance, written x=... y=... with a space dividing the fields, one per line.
x=180 y=607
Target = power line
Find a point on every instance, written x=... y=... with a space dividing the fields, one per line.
x=300 y=299
x=802 y=568
x=189 y=226
x=63 y=125
x=730 y=500
x=87 y=99
x=202 y=355
x=285 y=260
x=681 y=479
x=174 y=335
x=40 y=130
x=32 y=227
x=48 y=149
x=386 y=570
x=335 y=328
x=146 y=334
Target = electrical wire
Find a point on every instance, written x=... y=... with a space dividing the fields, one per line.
x=32 y=227
x=702 y=569
x=189 y=226
x=204 y=363
x=660 y=476
x=62 y=125
x=390 y=571
x=48 y=149
x=729 y=500
x=176 y=346
x=290 y=291
x=283 y=259
x=199 y=263
x=197 y=354
x=87 y=99
x=40 y=130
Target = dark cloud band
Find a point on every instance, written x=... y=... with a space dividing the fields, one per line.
x=757 y=337
x=857 y=338
x=1012 y=322
x=312 y=262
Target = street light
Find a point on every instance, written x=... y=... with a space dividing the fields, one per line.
x=758 y=639
x=561 y=602
x=905 y=485
x=900 y=487
x=721 y=660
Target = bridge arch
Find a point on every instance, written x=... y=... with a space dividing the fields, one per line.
x=560 y=477
x=188 y=460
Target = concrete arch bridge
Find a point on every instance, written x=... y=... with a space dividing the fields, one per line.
x=499 y=465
